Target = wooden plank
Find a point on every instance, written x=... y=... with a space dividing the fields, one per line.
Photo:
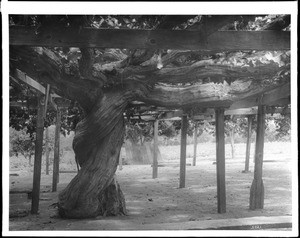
x=184 y=124
x=68 y=171
x=257 y=187
x=151 y=39
x=270 y=98
x=249 y=40
x=274 y=95
x=34 y=85
x=30 y=82
x=20 y=104
x=38 y=157
x=155 y=150
x=282 y=102
x=242 y=111
x=248 y=146
x=195 y=143
x=208 y=114
x=176 y=115
x=55 y=177
x=47 y=100
x=220 y=153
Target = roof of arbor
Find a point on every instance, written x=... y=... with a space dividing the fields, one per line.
x=181 y=58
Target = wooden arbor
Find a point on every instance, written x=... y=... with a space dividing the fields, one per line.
x=44 y=97
x=256 y=192
x=237 y=92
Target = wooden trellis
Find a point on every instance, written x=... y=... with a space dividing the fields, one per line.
x=44 y=97
x=169 y=39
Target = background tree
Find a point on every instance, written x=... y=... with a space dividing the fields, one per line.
x=22 y=143
x=235 y=125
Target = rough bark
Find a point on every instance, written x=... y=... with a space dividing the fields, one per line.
x=97 y=144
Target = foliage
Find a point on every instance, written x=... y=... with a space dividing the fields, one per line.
x=51 y=141
x=283 y=126
x=277 y=128
x=139 y=132
x=21 y=142
x=238 y=125
x=70 y=117
x=25 y=117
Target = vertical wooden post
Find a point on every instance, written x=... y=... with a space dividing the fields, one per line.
x=47 y=99
x=38 y=156
x=257 y=187
x=155 y=150
x=47 y=150
x=248 y=146
x=56 y=151
x=220 y=154
x=195 y=143
x=184 y=123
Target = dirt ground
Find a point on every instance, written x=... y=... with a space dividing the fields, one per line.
x=160 y=201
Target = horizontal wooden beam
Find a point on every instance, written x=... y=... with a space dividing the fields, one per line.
x=151 y=39
x=30 y=82
x=242 y=111
x=19 y=75
x=274 y=97
x=253 y=111
x=18 y=104
x=208 y=115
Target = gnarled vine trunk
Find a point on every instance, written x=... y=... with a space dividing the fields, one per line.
x=97 y=143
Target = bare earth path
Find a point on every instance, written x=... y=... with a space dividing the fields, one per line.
x=155 y=202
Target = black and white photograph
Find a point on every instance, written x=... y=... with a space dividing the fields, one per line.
x=149 y=119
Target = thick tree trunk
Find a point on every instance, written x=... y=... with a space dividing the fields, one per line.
x=97 y=143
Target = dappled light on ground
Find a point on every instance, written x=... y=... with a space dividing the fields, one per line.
x=160 y=201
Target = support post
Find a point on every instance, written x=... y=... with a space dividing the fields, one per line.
x=47 y=99
x=38 y=156
x=220 y=154
x=56 y=151
x=47 y=150
x=184 y=123
x=257 y=187
x=248 y=146
x=195 y=143
x=155 y=150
